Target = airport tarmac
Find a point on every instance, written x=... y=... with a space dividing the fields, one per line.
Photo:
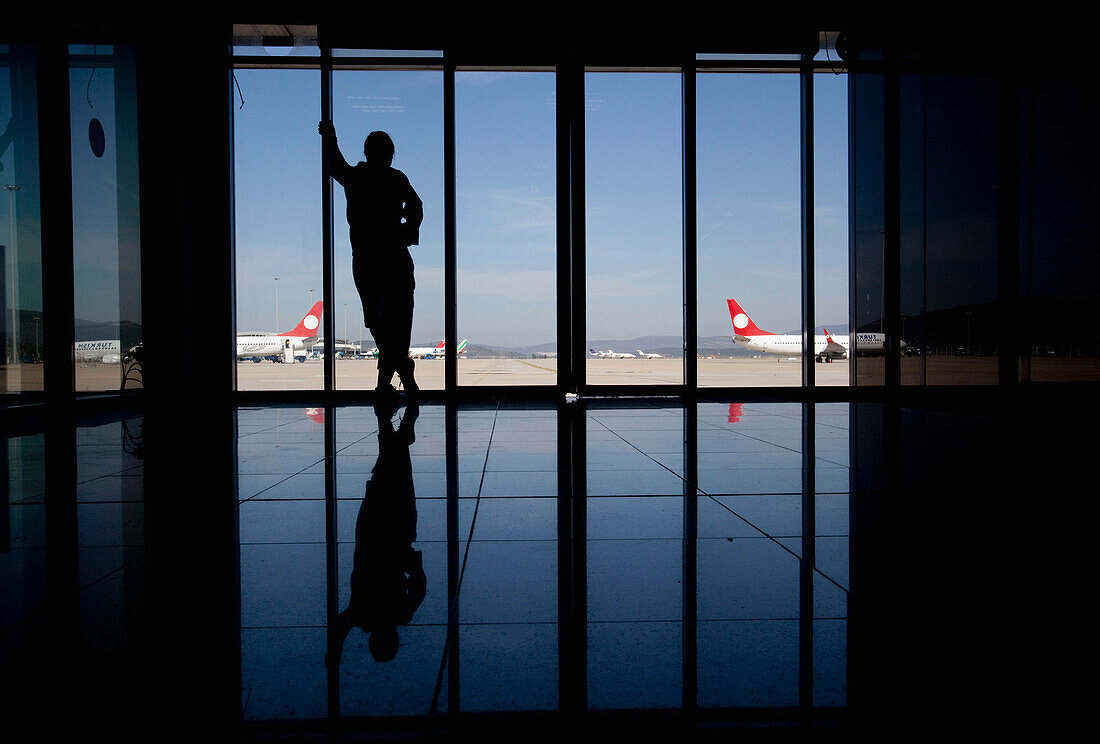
x=361 y=374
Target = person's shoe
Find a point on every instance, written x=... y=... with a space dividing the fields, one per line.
x=385 y=396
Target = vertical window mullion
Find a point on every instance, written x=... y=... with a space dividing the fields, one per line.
x=450 y=263
x=690 y=247
x=806 y=78
x=327 y=280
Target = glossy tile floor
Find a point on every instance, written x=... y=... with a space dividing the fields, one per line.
x=449 y=565
x=493 y=579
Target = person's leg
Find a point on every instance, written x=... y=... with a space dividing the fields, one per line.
x=373 y=312
x=383 y=337
x=402 y=337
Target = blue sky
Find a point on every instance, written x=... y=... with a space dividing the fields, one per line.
x=749 y=199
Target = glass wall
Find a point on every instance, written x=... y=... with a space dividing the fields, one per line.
x=277 y=210
x=949 y=275
x=407 y=105
x=1060 y=260
x=831 y=228
x=867 y=243
x=20 y=237
x=633 y=185
x=749 y=223
x=106 y=213
x=507 y=213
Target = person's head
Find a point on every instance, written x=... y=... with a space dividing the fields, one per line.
x=383 y=643
x=378 y=147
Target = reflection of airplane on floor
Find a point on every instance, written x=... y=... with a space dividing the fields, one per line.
x=643 y=355
x=826 y=347
x=435 y=352
x=283 y=345
x=105 y=351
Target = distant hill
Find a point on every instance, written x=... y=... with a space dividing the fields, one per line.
x=669 y=346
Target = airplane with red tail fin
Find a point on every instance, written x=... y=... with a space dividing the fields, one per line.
x=826 y=347
x=278 y=344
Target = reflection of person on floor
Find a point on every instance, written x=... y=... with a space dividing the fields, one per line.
x=387 y=579
x=384 y=215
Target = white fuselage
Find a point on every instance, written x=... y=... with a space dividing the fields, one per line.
x=106 y=351
x=267 y=344
x=424 y=352
x=791 y=344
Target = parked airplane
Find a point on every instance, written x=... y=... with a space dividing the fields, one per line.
x=105 y=351
x=610 y=354
x=826 y=347
x=649 y=356
x=278 y=344
x=435 y=352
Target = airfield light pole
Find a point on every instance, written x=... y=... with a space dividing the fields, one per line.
x=276 y=329
x=345 y=322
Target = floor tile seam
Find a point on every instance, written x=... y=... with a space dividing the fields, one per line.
x=695 y=486
x=324 y=626
x=817 y=570
x=284 y=480
x=554 y=495
x=453 y=608
x=755 y=527
x=115 y=571
x=831 y=536
x=272 y=427
x=37 y=499
x=783 y=447
x=116 y=474
x=772 y=493
x=321 y=499
x=779 y=619
x=351 y=541
x=612 y=495
x=590 y=539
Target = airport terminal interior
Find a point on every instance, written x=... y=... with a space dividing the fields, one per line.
x=700 y=544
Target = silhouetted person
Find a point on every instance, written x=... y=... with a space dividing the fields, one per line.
x=387 y=578
x=384 y=215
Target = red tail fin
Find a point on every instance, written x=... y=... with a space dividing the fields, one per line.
x=309 y=325
x=742 y=323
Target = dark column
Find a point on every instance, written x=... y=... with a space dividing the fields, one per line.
x=806 y=78
x=691 y=247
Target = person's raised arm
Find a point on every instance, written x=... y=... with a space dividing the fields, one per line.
x=330 y=151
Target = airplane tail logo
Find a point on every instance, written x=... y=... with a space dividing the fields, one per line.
x=742 y=323
x=461 y=347
x=307 y=326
